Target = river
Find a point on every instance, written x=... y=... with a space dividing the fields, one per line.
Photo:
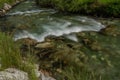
x=38 y=23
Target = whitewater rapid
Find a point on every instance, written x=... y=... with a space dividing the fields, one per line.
x=58 y=27
x=44 y=22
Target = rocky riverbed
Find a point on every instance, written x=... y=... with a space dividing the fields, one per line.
x=98 y=51
x=66 y=46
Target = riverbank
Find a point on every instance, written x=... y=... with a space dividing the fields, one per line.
x=94 y=51
x=6 y=5
x=101 y=8
x=73 y=47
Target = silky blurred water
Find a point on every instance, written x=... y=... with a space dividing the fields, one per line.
x=41 y=23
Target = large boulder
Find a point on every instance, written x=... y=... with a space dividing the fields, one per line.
x=13 y=74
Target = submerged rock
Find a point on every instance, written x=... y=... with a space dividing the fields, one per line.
x=13 y=74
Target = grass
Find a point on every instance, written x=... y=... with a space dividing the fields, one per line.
x=10 y=57
x=108 y=1
x=105 y=8
x=75 y=73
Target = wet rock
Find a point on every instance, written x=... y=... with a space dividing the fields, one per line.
x=44 y=45
x=7 y=7
x=27 y=41
x=17 y=1
x=13 y=74
x=54 y=38
x=110 y=30
x=44 y=75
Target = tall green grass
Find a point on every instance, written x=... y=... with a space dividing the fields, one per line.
x=76 y=73
x=10 y=57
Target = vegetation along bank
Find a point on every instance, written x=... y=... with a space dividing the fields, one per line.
x=104 y=8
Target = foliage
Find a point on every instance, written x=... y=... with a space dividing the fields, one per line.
x=75 y=73
x=10 y=56
x=94 y=57
x=93 y=7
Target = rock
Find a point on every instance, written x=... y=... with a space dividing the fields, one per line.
x=2 y=12
x=27 y=41
x=13 y=74
x=45 y=76
x=7 y=7
x=45 y=45
x=42 y=74
x=17 y=1
x=110 y=30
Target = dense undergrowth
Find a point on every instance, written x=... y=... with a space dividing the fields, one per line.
x=10 y=57
x=104 y=8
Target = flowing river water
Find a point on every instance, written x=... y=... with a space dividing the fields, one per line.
x=41 y=23
x=37 y=23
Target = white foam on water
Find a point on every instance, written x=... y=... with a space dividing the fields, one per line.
x=72 y=37
x=62 y=27
x=31 y=12
x=25 y=12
